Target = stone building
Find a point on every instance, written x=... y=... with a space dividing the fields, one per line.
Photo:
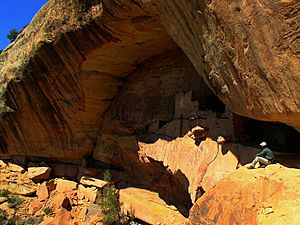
x=187 y=115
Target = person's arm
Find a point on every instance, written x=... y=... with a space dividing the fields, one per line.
x=262 y=153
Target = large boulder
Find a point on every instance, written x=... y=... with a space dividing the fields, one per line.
x=197 y=168
x=39 y=173
x=149 y=207
x=268 y=195
x=89 y=181
x=247 y=52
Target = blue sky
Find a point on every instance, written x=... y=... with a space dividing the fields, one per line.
x=16 y=14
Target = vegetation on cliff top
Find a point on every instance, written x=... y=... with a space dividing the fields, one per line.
x=13 y=34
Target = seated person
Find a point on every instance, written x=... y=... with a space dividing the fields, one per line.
x=265 y=157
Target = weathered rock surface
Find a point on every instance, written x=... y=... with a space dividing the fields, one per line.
x=148 y=207
x=143 y=171
x=65 y=68
x=63 y=217
x=15 y=181
x=87 y=193
x=268 y=195
x=92 y=79
x=179 y=166
x=63 y=186
x=148 y=95
x=3 y=199
x=38 y=173
x=62 y=201
x=15 y=168
x=90 y=181
x=196 y=167
x=42 y=192
x=34 y=206
x=64 y=170
x=247 y=52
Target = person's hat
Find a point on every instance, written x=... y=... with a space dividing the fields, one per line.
x=263 y=144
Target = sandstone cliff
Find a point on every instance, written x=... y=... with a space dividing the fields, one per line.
x=106 y=83
x=65 y=202
x=68 y=66
x=65 y=68
x=263 y=196
x=247 y=52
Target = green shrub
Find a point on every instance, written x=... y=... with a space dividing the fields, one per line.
x=32 y=221
x=109 y=204
x=16 y=220
x=108 y=201
x=107 y=176
x=48 y=211
x=4 y=193
x=5 y=220
x=14 y=201
x=3 y=216
x=12 y=35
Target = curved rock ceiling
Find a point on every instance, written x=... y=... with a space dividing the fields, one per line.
x=251 y=51
x=67 y=66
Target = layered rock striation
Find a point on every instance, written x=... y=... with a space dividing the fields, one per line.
x=263 y=196
x=103 y=81
x=247 y=52
x=62 y=201
x=148 y=207
x=65 y=68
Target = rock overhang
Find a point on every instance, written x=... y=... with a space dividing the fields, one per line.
x=251 y=64
x=66 y=67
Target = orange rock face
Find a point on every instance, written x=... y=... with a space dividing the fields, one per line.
x=39 y=173
x=261 y=196
x=63 y=217
x=34 y=206
x=100 y=80
x=247 y=51
x=200 y=166
x=42 y=192
x=63 y=186
x=63 y=71
x=148 y=207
